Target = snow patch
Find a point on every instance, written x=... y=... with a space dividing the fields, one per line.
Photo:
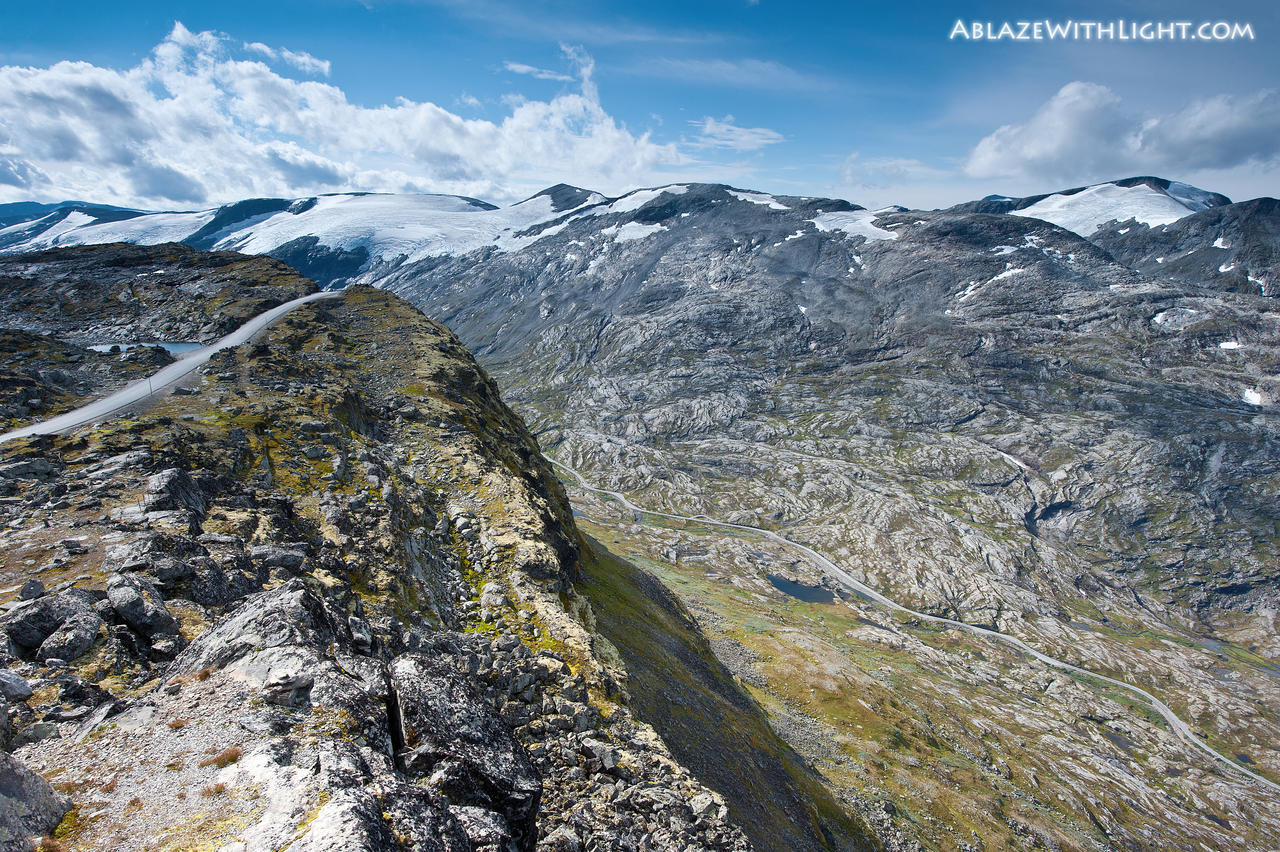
x=1220 y=243
x=387 y=226
x=1226 y=267
x=759 y=198
x=855 y=223
x=1229 y=344
x=635 y=231
x=1088 y=210
x=149 y=230
x=1175 y=319
x=635 y=200
x=57 y=234
x=1252 y=396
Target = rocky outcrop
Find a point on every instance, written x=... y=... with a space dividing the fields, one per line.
x=123 y=293
x=29 y=807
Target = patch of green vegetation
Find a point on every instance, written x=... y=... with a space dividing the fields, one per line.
x=710 y=724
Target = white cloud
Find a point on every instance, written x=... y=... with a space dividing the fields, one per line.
x=192 y=124
x=304 y=61
x=723 y=133
x=532 y=71
x=741 y=73
x=1085 y=133
x=299 y=59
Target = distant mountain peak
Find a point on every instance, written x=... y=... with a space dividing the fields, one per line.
x=565 y=196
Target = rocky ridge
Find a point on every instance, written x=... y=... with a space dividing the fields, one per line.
x=328 y=599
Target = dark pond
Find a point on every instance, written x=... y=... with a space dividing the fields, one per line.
x=174 y=348
x=808 y=594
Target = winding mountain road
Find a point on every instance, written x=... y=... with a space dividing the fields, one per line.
x=1181 y=728
x=163 y=379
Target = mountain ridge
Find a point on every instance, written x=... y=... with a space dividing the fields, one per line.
x=364 y=231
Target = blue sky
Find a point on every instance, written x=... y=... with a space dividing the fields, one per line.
x=118 y=102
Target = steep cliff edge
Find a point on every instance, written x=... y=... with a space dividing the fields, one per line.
x=328 y=598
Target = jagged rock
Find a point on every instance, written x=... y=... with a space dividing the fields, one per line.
x=31 y=590
x=168 y=571
x=73 y=638
x=452 y=738
x=32 y=622
x=491 y=596
x=33 y=733
x=13 y=686
x=425 y=821
x=26 y=468
x=361 y=634
x=289 y=616
x=349 y=822
x=29 y=807
x=140 y=605
x=563 y=839
x=164 y=648
x=601 y=751
x=174 y=488
x=277 y=557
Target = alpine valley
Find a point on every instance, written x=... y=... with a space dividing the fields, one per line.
x=953 y=529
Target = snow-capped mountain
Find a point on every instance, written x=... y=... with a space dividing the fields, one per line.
x=335 y=238
x=329 y=237
x=1144 y=200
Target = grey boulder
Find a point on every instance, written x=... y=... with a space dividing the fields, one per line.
x=13 y=686
x=32 y=622
x=140 y=605
x=29 y=807
x=73 y=638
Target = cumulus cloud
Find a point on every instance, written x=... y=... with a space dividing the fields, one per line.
x=723 y=133
x=1085 y=132
x=203 y=120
